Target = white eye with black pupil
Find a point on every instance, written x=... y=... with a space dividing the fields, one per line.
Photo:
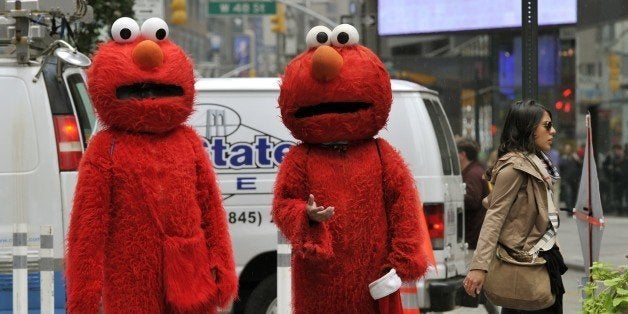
x=155 y=29
x=318 y=36
x=125 y=30
x=344 y=35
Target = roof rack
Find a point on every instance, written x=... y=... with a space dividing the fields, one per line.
x=28 y=27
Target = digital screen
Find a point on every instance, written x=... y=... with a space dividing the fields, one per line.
x=509 y=65
x=398 y=17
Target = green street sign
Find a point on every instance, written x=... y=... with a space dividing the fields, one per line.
x=242 y=8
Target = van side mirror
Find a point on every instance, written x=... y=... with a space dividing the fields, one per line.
x=66 y=53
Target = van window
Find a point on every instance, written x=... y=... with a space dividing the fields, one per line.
x=444 y=136
x=84 y=108
x=17 y=128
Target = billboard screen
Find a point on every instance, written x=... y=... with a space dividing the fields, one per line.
x=399 y=17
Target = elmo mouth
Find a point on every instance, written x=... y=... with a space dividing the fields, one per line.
x=331 y=107
x=148 y=90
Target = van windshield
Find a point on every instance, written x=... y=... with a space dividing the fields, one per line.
x=444 y=136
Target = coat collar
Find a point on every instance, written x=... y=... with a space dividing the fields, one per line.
x=520 y=161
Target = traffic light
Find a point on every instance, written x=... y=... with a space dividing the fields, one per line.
x=179 y=13
x=565 y=103
x=614 y=71
x=278 y=20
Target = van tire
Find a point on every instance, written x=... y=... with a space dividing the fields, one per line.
x=263 y=296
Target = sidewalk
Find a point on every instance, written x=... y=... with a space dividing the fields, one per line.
x=614 y=242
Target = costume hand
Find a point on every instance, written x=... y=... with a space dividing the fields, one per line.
x=474 y=281
x=317 y=213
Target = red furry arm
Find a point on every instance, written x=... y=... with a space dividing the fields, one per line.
x=88 y=228
x=309 y=239
x=214 y=223
x=407 y=254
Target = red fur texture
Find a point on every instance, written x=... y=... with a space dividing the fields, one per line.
x=148 y=233
x=377 y=220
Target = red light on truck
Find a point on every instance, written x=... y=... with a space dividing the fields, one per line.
x=69 y=148
x=434 y=216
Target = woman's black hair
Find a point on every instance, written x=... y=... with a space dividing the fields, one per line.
x=518 y=131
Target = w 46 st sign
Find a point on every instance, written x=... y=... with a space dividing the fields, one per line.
x=226 y=7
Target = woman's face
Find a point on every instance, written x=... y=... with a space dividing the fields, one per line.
x=544 y=133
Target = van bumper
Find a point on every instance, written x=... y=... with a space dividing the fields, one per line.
x=444 y=295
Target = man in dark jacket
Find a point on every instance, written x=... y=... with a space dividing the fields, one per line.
x=613 y=169
x=476 y=191
x=570 y=168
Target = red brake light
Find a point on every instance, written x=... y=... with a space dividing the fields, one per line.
x=69 y=148
x=434 y=216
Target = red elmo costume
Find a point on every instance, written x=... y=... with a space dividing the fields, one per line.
x=148 y=232
x=335 y=97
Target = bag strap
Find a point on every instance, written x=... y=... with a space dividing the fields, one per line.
x=381 y=162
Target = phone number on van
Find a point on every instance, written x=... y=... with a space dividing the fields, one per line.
x=246 y=217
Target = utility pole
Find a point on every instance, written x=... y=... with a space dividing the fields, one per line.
x=529 y=24
x=357 y=19
x=369 y=25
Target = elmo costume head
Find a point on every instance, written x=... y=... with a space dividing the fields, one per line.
x=141 y=81
x=336 y=91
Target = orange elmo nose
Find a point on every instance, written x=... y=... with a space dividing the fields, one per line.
x=147 y=55
x=326 y=63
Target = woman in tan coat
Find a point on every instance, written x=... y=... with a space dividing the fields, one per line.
x=520 y=212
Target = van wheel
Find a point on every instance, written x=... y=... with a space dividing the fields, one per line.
x=263 y=299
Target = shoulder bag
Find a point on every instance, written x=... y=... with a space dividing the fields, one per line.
x=518 y=280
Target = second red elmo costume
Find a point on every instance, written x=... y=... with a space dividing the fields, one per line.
x=346 y=201
x=148 y=233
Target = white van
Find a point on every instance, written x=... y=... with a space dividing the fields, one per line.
x=240 y=122
x=46 y=119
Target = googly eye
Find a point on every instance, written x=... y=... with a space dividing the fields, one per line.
x=318 y=36
x=344 y=35
x=155 y=29
x=125 y=30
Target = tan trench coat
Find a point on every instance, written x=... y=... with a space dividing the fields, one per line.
x=517 y=214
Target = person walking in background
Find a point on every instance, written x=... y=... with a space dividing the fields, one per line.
x=580 y=151
x=476 y=191
x=521 y=216
x=570 y=167
x=614 y=173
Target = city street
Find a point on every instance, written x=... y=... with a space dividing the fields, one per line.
x=614 y=251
